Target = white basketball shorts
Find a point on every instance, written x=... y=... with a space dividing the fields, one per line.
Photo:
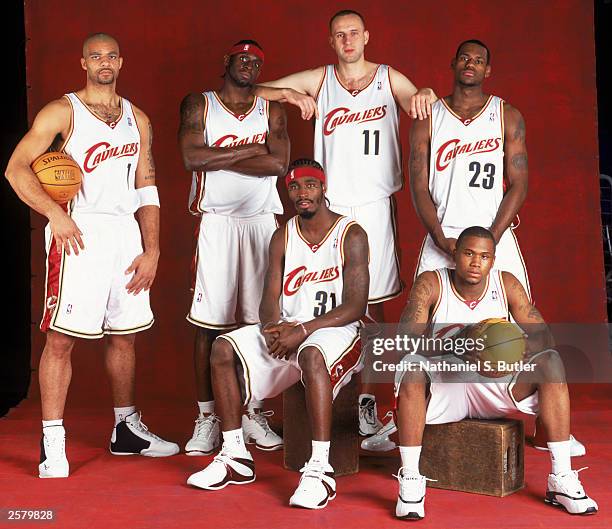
x=378 y=220
x=457 y=395
x=266 y=376
x=85 y=294
x=230 y=266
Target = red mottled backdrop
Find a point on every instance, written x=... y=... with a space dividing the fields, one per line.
x=543 y=62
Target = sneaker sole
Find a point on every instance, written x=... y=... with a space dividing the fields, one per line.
x=200 y=452
x=316 y=507
x=144 y=453
x=41 y=476
x=411 y=517
x=246 y=482
x=251 y=441
x=553 y=503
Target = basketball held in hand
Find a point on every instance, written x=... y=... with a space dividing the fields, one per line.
x=504 y=346
x=59 y=175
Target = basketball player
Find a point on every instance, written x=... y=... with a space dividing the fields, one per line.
x=236 y=144
x=471 y=292
x=98 y=273
x=468 y=166
x=315 y=292
x=357 y=142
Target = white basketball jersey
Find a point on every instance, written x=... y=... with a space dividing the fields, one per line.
x=312 y=280
x=466 y=167
x=452 y=312
x=227 y=192
x=108 y=155
x=357 y=139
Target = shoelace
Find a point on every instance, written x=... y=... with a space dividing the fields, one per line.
x=261 y=419
x=205 y=425
x=412 y=475
x=367 y=412
x=573 y=474
x=142 y=427
x=56 y=444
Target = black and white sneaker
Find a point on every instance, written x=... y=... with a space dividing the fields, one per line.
x=565 y=490
x=53 y=461
x=132 y=437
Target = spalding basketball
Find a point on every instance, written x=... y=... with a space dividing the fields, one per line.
x=59 y=175
x=504 y=346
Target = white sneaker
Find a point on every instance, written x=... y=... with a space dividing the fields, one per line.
x=257 y=430
x=565 y=490
x=380 y=441
x=132 y=437
x=577 y=449
x=205 y=438
x=224 y=469
x=411 y=498
x=316 y=488
x=369 y=423
x=53 y=461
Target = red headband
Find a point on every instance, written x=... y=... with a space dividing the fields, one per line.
x=253 y=49
x=301 y=172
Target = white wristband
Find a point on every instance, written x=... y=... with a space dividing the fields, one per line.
x=148 y=196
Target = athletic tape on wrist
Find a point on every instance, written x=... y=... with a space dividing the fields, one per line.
x=148 y=196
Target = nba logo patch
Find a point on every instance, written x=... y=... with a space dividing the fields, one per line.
x=260 y=111
x=379 y=85
x=199 y=297
x=69 y=309
x=129 y=121
x=335 y=243
x=492 y=116
x=494 y=294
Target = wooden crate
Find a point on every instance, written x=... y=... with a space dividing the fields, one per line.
x=481 y=456
x=344 y=448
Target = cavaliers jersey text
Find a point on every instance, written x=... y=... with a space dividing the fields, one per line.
x=466 y=168
x=227 y=192
x=452 y=313
x=108 y=155
x=357 y=139
x=312 y=280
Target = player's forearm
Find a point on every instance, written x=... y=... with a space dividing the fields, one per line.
x=271 y=93
x=148 y=220
x=217 y=158
x=28 y=189
x=426 y=211
x=508 y=209
x=339 y=317
x=269 y=310
x=266 y=165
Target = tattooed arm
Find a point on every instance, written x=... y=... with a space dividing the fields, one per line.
x=423 y=296
x=420 y=146
x=197 y=156
x=515 y=171
x=276 y=161
x=526 y=315
x=144 y=266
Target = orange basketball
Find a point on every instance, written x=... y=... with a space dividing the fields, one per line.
x=59 y=175
x=504 y=346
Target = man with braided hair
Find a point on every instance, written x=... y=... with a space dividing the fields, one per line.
x=315 y=293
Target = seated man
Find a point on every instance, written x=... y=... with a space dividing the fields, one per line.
x=470 y=294
x=315 y=292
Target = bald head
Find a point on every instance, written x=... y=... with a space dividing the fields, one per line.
x=98 y=37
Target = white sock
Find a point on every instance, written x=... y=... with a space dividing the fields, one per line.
x=364 y=396
x=560 y=456
x=122 y=413
x=233 y=440
x=255 y=405
x=207 y=407
x=410 y=457
x=53 y=431
x=320 y=452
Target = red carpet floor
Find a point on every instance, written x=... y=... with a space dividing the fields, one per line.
x=104 y=491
